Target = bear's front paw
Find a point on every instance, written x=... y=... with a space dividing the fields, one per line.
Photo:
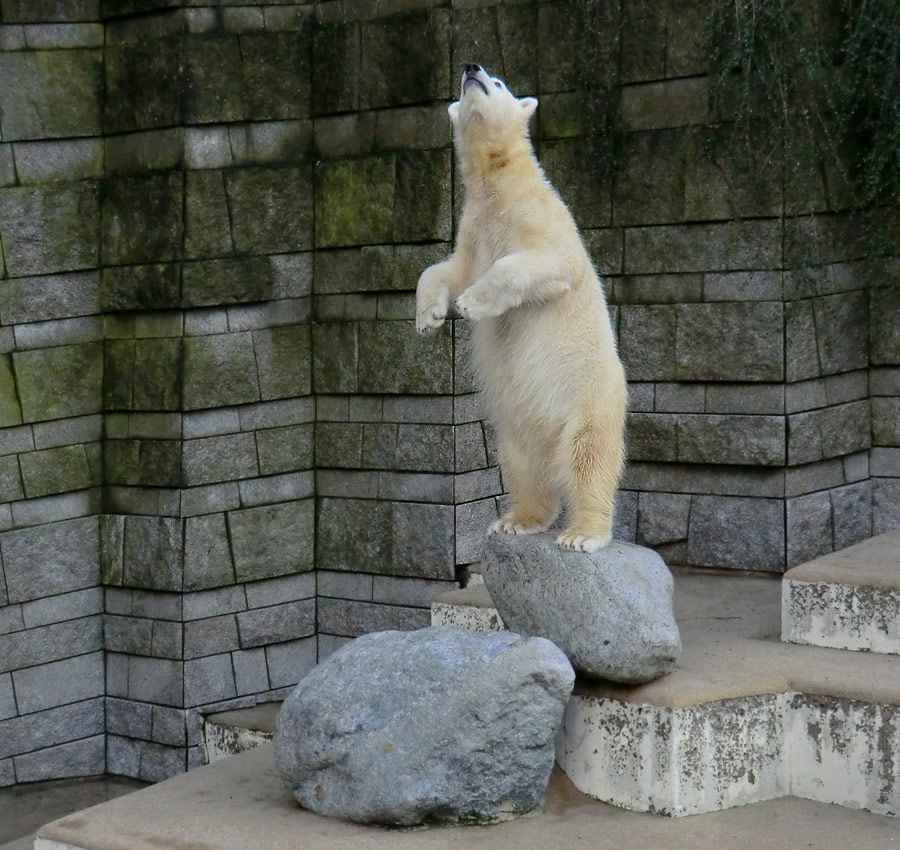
x=478 y=302
x=430 y=317
x=581 y=542
x=511 y=524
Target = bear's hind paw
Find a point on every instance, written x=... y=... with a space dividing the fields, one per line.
x=571 y=539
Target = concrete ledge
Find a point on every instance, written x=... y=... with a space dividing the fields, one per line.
x=848 y=599
x=743 y=718
x=240 y=803
x=228 y=733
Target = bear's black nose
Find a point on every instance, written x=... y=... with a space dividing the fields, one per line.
x=473 y=69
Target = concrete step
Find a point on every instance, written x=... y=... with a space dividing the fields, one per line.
x=743 y=717
x=228 y=733
x=241 y=802
x=848 y=599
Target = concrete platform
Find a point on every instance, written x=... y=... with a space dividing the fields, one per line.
x=230 y=732
x=240 y=803
x=742 y=718
x=848 y=599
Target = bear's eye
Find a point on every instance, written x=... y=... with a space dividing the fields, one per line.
x=498 y=84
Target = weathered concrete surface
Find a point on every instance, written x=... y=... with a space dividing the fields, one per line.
x=228 y=733
x=738 y=721
x=610 y=611
x=241 y=802
x=438 y=724
x=848 y=599
x=470 y=608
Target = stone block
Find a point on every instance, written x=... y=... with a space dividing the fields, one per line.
x=143 y=85
x=730 y=341
x=49 y=559
x=36 y=299
x=45 y=644
x=355 y=201
x=290 y=661
x=745 y=398
x=208 y=680
x=651 y=436
x=51 y=727
x=169 y=726
x=207 y=558
x=207 y=224
x=131 y=719
x=828 y=432
x=422 y=197
x=150 y=150
x=657 y=105
x=289 y=621
x=650 y=185
x=153 y=556
x=338 y=444
x=283 y=359
x=725 y=246
x=469 y=447
x=133 y=635
x=85 y=757
x=742 y=440
x=211 y=635
x=687 y=51
x=801 y=347
x=344 y=585
x=679 y=398
x=851 y=511
x=52 y=162
x=570 y=165
x=885 y=504
x=219 y=370
x=155 y=680
x=885 y=421
x=352 y=619
x=281 y=589
x=425 y=448
x=392 y=538
x=810 y=530
x=11 y=478
x=142 y=219
x=884 y=306
x=273 y=540
x=277 y=488
x=51 y=228
x=276 y=75
x=58 y=683
x=586 y=44
x=643 y=41
x=10 y=411
x=50 y=94
x=662 y=518
x=212 y=459
x=404 y=59
x=142 y=287
x=415 y=592
x=394 y=359
x=336 y=62
x=285 y=449
x=55 y=471
x=842 y=331
x=647 y=339
x=271 y=209
x=735 y=532
x=214 y=80
x=251 y=675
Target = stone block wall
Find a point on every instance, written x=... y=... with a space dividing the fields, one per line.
x=51 y=394
x=223 y=449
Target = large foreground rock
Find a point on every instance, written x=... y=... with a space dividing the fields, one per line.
x=439 y=724
x=609 y=611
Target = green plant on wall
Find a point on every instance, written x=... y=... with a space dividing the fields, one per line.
x=814 y=85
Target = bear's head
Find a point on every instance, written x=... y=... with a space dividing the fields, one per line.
x=487 y=112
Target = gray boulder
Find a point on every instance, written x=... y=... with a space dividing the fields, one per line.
x=609 y=611
x=439 y=724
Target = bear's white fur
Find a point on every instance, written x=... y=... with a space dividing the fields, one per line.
x=543 y=344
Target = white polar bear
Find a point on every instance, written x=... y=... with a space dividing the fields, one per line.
x=544 y=349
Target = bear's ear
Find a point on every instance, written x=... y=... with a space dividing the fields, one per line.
x=453 y=110
x=528 y=105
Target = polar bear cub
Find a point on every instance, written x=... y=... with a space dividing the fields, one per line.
x=545 y=355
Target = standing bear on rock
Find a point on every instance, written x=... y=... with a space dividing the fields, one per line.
x=545 y=354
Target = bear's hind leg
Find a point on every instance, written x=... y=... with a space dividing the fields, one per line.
x=535 y=504
x=592 y=455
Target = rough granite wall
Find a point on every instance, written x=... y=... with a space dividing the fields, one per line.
x=223 y=449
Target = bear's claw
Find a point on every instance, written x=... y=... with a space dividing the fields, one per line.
x=583 y=542
x=430 y=319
